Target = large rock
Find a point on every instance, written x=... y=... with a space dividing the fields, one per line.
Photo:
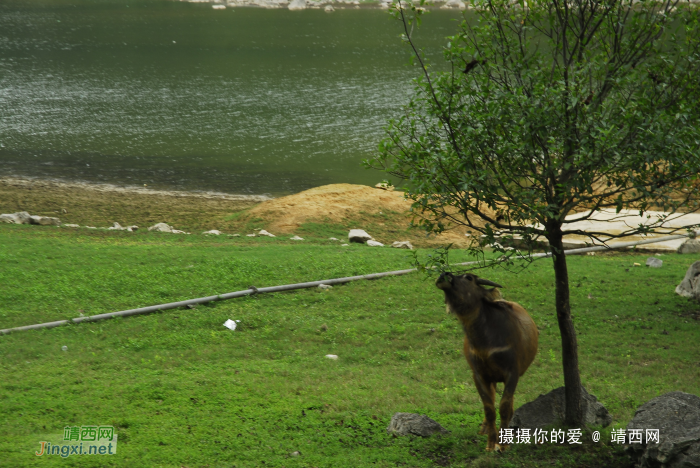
x=677 y=417
x=689 y=246
x=690 y=286
x=161 y=227
x=44 y=221
x=415 y=424
x=549 y=409
x=358 y=235
x=21 y=217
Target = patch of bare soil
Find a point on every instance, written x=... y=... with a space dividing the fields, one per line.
x=101 y=205
x=384 y=214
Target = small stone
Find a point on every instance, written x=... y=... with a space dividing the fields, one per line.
x=344 y=245
x=265 y=233
x=295 y=454
x=250 y=235
x=213 y=232
x=332 y=356
x=328 y=9
x=332 y=238
x=384 y=186
x=374 y=243
x=324 y=286
x=402 y=245
x=592 y=254
x=324 y=327
x=415 y=424
x=358 y=235
x=161 y=227
x=64 y=348
x=234 y=235
x=44 y=221
x=116 y=227
x=70 y=225
x=654 y=262
x=296 y=238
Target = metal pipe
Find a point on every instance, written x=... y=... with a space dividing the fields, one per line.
x=289 y=287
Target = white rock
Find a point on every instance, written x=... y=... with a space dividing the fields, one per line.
x=132 y=228
x=324 y=286
x=374 y=243
x=64 y=348
x=219 y=7
x=689 y=246
x=344 y=245
x=384 y=186
x=297 y=5
x=296 y=238
x=265 y=233
x=358 y=235
x=234 y=235
x=70 y=225
x=402 y=245
x=177 y=231
x=250 y=235
x=230 y=324
x=213 y=232
x=332 y=356
x=116 y=227
x=329 y=9
x=654 y=262
x=161 y=227
x=43 y=220
x=91 y=227
x=332 y=238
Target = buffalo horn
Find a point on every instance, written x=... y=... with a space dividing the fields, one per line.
x=485 y=282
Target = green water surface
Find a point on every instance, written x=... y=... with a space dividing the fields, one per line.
x=179 y=95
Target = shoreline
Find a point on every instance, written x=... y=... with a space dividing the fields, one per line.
x=44 y=183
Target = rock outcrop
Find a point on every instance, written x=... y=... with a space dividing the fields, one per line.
x=690 y=286
x=549 y=409
x=676 y=415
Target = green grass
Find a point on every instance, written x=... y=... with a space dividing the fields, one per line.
x=182 y=390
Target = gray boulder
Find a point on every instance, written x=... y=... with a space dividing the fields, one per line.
x=654 y=262
x=415 y=424
x=358 y=235
x=549 y=409
x=402 y=245
x=44 y=220
x=21 y=217
x=689 y=246
x=677 y=417
x=161 y=227
x=690 y=286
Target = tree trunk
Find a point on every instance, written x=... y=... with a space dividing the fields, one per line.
x=569 y=344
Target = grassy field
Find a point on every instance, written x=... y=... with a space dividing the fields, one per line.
x=183 y=391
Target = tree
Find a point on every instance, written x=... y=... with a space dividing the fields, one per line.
x=550 y=108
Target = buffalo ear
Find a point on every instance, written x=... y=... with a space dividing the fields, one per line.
x=485 y=282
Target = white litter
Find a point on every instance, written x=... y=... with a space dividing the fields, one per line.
x=231 y=324
x=332 y=356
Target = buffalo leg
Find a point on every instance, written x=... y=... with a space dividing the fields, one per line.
x=506 y=407
x=492 y=397
x=488 y=399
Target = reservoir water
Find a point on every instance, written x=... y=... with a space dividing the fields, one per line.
x=182 y=96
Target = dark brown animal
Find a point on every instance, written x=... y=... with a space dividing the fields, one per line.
x=500 y=343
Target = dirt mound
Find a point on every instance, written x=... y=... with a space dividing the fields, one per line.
x=329 y=203
x=387 y=214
